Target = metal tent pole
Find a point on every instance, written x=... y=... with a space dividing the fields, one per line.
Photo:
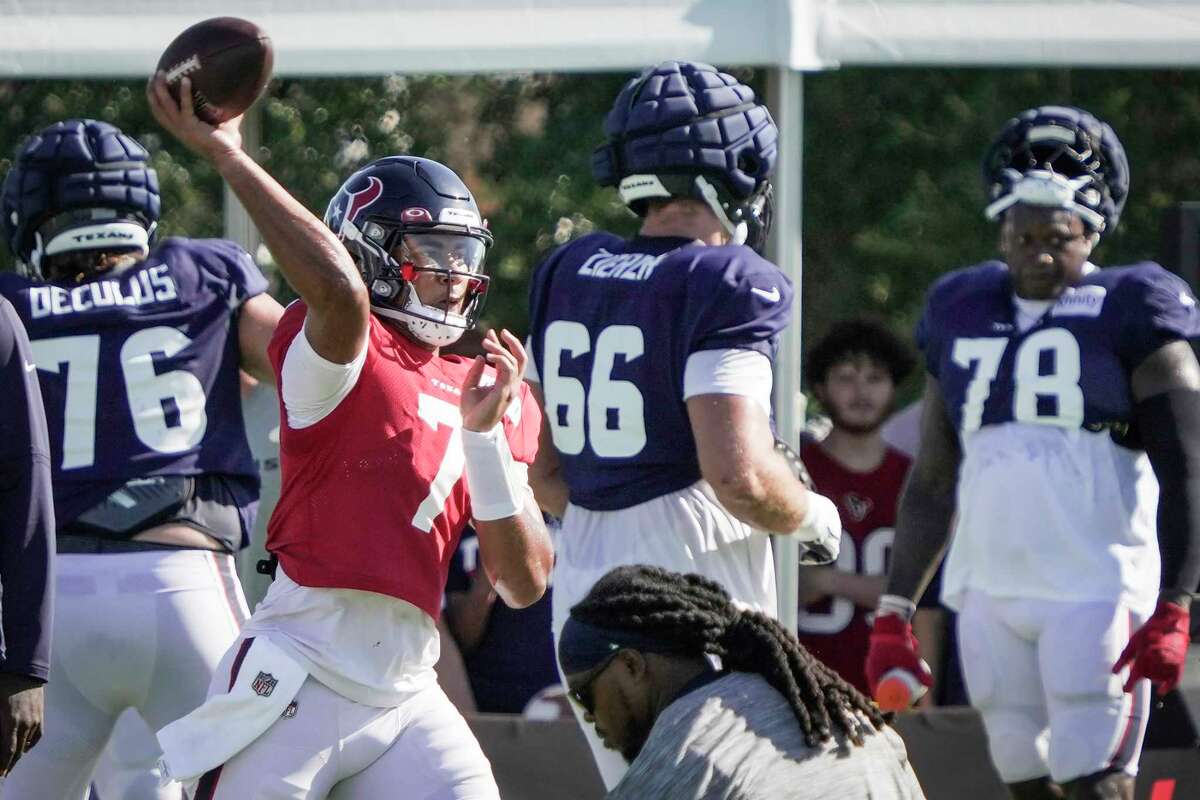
x=785 y=98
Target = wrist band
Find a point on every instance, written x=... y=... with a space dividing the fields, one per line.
x=895 y=604
x=496 y=486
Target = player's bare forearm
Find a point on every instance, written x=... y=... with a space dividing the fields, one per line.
x=770 y=497
x=545 y=474
x=737 y=457
x=928 y=501
x=862 y=590
x=468 y=612
x=308 y=254
x=929 y=625
x=257 y=319
x=550 y=491
x=517 y=554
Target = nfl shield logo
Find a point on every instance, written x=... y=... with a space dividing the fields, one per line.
x=264 y=684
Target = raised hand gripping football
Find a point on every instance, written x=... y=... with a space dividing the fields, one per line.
x=181 y=121
x=1158 y=649
x=484 y=402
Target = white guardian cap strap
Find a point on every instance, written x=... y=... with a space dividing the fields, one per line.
x=1047 y=189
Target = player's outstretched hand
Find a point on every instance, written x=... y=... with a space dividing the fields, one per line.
x=21 y=712
x=1158 y=650
x=209 y=141
x=484 y=402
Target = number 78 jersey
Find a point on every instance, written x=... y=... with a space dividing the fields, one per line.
x=1049 y=505
x=613 y=324
x=1072 y=368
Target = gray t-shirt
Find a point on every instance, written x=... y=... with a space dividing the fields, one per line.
x=737 y=738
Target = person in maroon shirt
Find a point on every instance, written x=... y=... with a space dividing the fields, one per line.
x=854 y=371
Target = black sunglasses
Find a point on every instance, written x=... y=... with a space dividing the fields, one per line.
x=582 y=694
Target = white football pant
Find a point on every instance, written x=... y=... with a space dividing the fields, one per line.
x=141 y=630
x=1040 y=674
x=326 y=746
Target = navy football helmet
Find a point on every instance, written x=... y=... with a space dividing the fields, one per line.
x=1062 y=157
x=400 y=216
x=684 y=129
x=78 y=188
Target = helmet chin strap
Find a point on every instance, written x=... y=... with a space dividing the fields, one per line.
x=421 y=321
x=737 y=231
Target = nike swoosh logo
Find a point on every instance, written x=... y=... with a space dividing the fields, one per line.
x=771 y=296
x=30 y=367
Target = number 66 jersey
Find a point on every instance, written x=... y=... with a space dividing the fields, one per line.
x=1050 y=503
x=139 y=372
x=614 y=325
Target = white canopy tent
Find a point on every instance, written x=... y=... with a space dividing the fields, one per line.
x=115 y=38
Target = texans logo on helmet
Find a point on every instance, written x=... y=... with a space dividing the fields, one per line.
x=357 y=201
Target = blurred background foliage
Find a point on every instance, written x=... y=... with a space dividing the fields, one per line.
x=892 y=193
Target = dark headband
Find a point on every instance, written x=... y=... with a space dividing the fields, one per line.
x=582 y=646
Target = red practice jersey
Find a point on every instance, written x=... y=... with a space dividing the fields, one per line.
x=835 y=630
x=373 y=495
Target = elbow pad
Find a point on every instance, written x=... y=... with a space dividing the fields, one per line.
x=1168 y=425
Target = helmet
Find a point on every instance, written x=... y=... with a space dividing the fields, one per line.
x=683 y=129
x=78 y=185
x=400 y=216
x=1062 y=157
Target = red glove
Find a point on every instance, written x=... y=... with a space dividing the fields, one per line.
x=1158 y=649
x=893 y=646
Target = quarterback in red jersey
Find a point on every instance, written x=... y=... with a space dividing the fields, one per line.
x=854 y=370
x=388 y=448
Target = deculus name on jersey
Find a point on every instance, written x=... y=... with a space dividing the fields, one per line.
x=151 y=286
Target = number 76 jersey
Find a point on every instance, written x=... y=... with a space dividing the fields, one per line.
x=1049 y=504
x=139 y=371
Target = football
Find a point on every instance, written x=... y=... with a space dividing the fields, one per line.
x=229 y=62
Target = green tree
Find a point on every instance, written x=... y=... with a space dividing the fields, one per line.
x=893 y=195
x=892 y=190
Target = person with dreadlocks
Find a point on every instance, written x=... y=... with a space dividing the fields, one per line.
x=638 y=653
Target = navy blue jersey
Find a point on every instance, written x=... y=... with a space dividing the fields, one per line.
x=26 y=508
x=139 y=371
x=1072 y=367
x=612 y=325
x=515 y=658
